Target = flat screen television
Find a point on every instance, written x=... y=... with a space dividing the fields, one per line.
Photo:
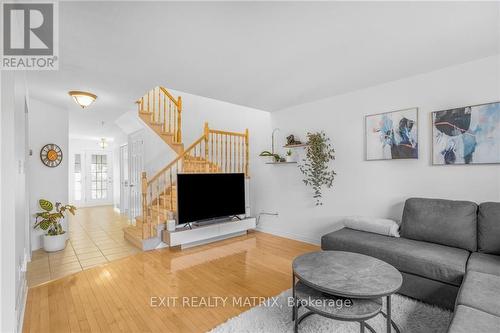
x=205 y=196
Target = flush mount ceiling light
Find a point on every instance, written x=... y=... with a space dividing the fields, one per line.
x=82 y=98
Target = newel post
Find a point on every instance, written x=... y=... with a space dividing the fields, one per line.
x=247 y=153
x=179 y=120
x=144 y=191
x=206 y=133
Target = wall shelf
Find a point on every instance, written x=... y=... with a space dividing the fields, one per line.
x=300 y=145
x=281 y=162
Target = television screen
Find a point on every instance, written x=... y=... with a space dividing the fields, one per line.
x=203 y=196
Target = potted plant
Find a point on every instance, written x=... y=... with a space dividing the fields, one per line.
x=289 y=156
x=316 y=168
x=275 y=157
x=49 y=220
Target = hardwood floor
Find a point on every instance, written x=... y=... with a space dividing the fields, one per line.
x=129 y=295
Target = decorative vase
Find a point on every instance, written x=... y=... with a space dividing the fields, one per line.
x=54 y=243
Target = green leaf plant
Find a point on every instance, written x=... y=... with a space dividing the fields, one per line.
x=48 y=219
x=269 y=154
x=316 y=166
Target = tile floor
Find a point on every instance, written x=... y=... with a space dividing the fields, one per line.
x=95 y=238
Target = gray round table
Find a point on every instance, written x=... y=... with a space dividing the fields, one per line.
x=349 y=275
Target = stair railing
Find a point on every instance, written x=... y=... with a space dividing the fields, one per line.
x=215 y=151
x=164 y=109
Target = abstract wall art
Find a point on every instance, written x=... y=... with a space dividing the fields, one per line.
x=392 y=135
x=467 y=135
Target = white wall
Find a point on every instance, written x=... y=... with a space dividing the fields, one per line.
x=377 y=188
x=14 y=224
x=48 y=124
x=220 y=115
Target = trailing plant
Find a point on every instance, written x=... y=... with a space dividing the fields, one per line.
x=269 y=154
x=316 y=168
x=48 y=219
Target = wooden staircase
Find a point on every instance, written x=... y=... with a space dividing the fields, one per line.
x=163 y=114
x=215 y=151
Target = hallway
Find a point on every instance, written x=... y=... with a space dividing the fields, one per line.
x=96 y=238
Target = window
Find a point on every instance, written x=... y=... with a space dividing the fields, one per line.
x=99 y=177
x=78 y=177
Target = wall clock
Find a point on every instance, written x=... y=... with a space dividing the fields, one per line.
x=51 y=155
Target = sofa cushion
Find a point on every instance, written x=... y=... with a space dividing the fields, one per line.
x=481 y=291
x=446 y=222
x=432 y=261
x=467 y=320
x=488 y=228
x=484 y=263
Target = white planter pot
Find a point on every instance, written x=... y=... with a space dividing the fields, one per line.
x=290 y=158
x=54 y=243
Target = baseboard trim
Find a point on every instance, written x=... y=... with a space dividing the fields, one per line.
x=290 y=235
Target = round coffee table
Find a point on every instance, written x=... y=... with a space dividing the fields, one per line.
x=338 y=274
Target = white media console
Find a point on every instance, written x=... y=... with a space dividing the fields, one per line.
x=208 y=233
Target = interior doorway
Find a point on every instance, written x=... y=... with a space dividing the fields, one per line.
x=135 y=166
x=99 y=187
x=91 y=181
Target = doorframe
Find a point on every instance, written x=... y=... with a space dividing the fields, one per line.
x=136 y=161
x=124 y=183
x=109 y=187
x=85 y=157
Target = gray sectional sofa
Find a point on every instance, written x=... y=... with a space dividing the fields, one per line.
x=448 y=254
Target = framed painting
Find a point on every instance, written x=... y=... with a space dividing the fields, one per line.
x=466 y=135
x=392 y=135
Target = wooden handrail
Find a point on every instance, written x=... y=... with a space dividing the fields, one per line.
x=227 y=133
x=169 y=95
x=204 y=137
x=163 y=109
x=178 y=158
x=163 y=90
x=215 y=151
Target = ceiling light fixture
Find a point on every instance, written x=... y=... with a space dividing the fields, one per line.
x=103 y=143
x=82 y=98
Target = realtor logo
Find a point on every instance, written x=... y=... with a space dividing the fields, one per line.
x=29 y=36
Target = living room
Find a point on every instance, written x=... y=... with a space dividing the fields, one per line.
x=251 y=167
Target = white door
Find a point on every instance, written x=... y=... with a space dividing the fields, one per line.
x=78 y=180
x=99 y=179
x=135 y=166
x=124 y=181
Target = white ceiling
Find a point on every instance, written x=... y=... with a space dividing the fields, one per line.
x=263 y=55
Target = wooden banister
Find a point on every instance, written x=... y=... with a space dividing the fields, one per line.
x=247 y=152
x=164 y=110
x=177 y=159
x=179 y=120
x=144 y=193
x=215 y=151
x=169 y=95
x=227 y=133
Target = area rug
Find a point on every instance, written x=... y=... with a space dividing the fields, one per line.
x=275 y=317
